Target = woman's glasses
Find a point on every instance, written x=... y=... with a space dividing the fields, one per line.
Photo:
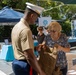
x=53 y=31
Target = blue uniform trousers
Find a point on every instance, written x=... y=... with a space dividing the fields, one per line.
x=21 y=67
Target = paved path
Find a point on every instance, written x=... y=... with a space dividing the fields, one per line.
x=5 y=68
x=2 y=73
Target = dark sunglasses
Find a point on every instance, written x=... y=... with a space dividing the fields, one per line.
x=40 y=29
x=53 y=31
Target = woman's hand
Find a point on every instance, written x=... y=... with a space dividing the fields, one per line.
x=59 y=48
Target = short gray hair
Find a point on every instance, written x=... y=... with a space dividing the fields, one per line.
x=55 y=26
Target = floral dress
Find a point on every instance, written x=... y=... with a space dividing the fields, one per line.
x=62 y=41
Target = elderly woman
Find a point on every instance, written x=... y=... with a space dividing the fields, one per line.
x=56 y=38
